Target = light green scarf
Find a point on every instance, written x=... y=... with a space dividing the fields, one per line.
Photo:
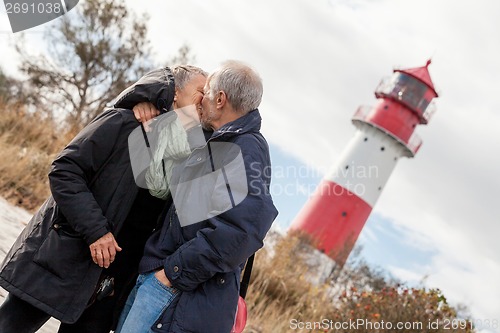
x=172 y=147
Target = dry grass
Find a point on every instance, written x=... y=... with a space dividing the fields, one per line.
x=281 y=291
x=28 y=144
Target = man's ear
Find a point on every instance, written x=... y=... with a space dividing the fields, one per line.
x=175 y=95
x=221 y=99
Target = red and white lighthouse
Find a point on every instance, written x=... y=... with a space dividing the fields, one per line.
x=336 y=213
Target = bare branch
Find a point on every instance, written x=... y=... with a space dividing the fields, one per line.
x=93 y=57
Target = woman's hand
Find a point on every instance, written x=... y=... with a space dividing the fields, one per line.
x=145 y=111
x=103 y=250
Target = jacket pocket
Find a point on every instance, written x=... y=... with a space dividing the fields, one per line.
x=63 y=254
x=209 y=309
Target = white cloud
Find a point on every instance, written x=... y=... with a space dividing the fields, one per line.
x=406 y=275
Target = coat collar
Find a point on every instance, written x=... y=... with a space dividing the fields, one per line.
x=246 y=124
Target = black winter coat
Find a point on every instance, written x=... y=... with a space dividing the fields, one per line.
x=93 y=189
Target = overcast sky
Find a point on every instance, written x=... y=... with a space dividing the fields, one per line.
x=319 y=61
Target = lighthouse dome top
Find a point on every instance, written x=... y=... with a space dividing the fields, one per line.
x=420 y=73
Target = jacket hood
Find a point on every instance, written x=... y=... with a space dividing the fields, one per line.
x=156 y=87
x=248 y=123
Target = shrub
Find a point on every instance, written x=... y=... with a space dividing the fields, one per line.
x=282 y=298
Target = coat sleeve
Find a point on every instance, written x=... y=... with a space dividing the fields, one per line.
x=75 y=167
x=235 y=234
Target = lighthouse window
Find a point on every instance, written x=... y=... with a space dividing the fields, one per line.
x=408 y=90
x=382 y=148
x=344 y=214
x=366 y=139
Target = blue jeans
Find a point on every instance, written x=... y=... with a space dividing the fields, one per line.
x=145 y=304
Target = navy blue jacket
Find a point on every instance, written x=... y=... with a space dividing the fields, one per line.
x=204 y=259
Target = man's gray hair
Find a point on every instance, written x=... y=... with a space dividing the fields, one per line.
x=242 y=85
x=185 y=73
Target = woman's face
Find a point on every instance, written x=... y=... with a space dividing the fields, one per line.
x=191 y=94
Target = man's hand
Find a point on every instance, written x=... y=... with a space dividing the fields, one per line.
x=160 y=276
x=145 y=111
x=103 y=250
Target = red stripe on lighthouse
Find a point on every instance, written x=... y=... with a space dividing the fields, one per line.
x=334 y=217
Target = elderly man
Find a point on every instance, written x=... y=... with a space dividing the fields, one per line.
x=76 y=255
x=222 y=211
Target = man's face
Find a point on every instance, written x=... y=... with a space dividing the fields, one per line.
x=192 y=93
x=209 y=113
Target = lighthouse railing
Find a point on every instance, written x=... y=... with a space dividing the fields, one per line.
x=362 y=113
x=414 y=143
x=429 y=111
